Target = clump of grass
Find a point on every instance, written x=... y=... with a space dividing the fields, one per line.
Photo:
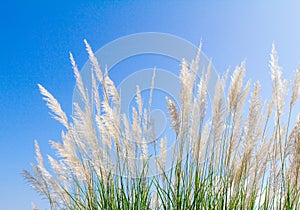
x=236 y=158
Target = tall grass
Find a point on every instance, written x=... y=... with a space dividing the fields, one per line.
x=245 y=155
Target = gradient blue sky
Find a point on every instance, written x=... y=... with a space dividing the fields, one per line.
x=36 y=38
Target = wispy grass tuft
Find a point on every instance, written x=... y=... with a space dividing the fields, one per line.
x=242 y=156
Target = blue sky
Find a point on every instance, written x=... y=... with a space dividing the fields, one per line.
x=36 y=38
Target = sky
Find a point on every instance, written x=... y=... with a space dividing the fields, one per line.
x=36 y=38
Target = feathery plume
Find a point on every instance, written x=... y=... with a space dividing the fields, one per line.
x=34 y=206
x=151 y=90
x=154 y=200
x=79 y=83
x=94 y=62
x=252 y=129
x=280 y=86
x=235 y=87
x=161 y=159
x=296 y=88
x=187 y=81
x=96 y=96
x=163 y=151
x=144 y=149
x=174 y=115
x=54 y=106
x=112 y=91
x=218 y=111
x=194 y=66
x=139 y=102
x=136 y=129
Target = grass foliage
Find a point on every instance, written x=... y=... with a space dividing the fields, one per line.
x=244 y=155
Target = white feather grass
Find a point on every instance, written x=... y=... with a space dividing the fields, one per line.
x=236 y=157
